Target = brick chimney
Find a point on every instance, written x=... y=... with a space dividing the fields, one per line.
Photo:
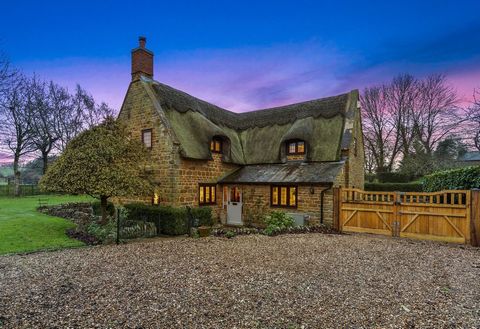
x=142 y=61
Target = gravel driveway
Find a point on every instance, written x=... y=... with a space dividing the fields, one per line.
x=289 y=281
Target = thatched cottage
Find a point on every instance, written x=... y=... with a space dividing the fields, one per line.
x=241 y=164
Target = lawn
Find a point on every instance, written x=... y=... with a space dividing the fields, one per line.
x=24 y=229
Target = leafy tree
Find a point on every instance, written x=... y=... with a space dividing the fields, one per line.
x=101 y=162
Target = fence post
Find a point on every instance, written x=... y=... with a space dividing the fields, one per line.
x=475 y=218
x=336 y=209
x=118 y=225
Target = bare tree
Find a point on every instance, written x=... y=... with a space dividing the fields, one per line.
x=405 y=120
x=473 y=121
x=16 y=121
x=436 y=115
x=76 y=112
x=45 y=109
x=379 y=131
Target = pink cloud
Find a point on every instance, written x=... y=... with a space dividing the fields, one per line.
x=248 y=78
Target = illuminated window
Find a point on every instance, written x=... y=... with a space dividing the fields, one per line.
x=283 y=196
x=274 y=196
x=206 y=194
x=296 y=147
x=147 y=138
x=235 y=194
x=216 y=145
x=155 y=199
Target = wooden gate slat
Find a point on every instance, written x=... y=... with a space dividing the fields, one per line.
x=392 y=208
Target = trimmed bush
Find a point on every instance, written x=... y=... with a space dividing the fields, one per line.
x=204 y=215
x=168 y=220
x=173 y=221
x=391 y=187
x=97 y=210
x=142 y=212
x=454 y=179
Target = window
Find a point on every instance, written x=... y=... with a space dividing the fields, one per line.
x=155 y=199
x=206 y=194
x=147 y=138
x=283 y=196
x=216 y=145
x=296 y=147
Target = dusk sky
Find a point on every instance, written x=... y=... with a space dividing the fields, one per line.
x=244 y=55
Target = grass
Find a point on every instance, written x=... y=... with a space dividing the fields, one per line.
x=24 y=229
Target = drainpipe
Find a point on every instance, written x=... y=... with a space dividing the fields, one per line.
x=322 y=194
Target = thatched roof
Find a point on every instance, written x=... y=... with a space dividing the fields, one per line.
x=256 y=137
x=292 y=172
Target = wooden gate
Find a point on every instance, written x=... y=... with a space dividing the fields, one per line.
x=442 y=216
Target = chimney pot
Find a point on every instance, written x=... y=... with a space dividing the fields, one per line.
x=142 y=61
x=142 y=41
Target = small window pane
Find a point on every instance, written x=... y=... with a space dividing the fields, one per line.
x=217 y=146
x=301 y=147
x=292 y=147
x=147 y=138
x=293 y=199
x=283 y=196
x=202 y=197
x=213 y=193
x=275 y=196
x=212 y=146
x=207 y=194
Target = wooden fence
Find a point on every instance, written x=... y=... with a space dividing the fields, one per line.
x=451 y=216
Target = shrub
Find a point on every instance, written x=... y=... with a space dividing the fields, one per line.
x=168 y=220
x=230 y=234
x=142 y=212
x=173 y=221
x=105 y=233
x=402 y=187
x=97 y=210
x=454 y=179
x=137 y=229
x=277 y=221
x=204 y=216
x=394 y=177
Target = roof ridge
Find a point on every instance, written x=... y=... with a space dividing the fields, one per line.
x=183 y=102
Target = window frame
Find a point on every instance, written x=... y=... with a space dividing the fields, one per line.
x=288 y=187
x=150 y=130
x=296 y=141
x=212 y=186
x=216 y=140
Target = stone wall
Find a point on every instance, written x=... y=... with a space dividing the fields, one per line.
x=138 y=113
x=176 y=178
x=194 y=172
x=256 y=201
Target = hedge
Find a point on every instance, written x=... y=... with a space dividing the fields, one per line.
x=204 y=216
x=169 y=220
x=454 y=179
x=401 y=187
x=394 y=177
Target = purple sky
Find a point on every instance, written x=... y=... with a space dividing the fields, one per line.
x=245 y=55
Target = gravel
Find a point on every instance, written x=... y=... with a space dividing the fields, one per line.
x=289 y=281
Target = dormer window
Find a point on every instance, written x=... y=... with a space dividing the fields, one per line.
x=216 y=145
x=295 y=147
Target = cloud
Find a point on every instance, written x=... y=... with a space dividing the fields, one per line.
x=250 y=78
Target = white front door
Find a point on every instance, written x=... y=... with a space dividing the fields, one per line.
x=234 y=206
